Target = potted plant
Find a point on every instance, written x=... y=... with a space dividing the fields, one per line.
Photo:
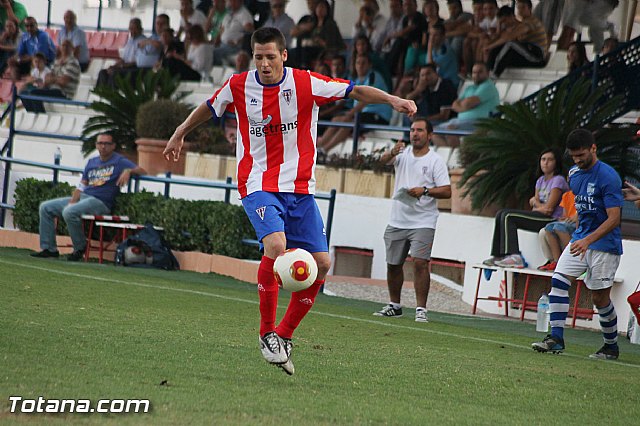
x=501 y=157
x=155 y=123
x=116 y=110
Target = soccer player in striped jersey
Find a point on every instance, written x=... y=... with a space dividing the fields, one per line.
x=595 y=247
x=277 y=113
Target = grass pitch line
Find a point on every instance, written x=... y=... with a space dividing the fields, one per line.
x=326 y=314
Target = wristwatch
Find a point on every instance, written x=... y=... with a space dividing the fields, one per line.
x=426 y=191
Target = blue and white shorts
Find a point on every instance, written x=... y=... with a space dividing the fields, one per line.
x=297 y=215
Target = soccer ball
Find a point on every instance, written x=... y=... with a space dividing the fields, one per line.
x=295 y=269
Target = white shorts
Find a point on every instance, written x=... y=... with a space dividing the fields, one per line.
x=600 y=267
x=588 y=13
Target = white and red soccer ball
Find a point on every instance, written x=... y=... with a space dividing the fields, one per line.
x=295 y=269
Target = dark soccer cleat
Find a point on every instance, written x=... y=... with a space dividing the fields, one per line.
x=272 y=348
x=389 y=311
x=287 y=366
x=549 y=344
x=606 y=352
x=45 y=254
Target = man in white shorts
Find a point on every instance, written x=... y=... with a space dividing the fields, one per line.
x=595 y=247
x=421 y=177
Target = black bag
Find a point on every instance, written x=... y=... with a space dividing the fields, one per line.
x=146 y=249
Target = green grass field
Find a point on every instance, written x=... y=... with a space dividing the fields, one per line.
x=188 y=343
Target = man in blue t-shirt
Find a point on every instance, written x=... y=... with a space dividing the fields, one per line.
x=595 y=247
x=95 y=194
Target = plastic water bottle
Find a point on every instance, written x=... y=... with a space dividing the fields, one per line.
x=542 y=324
x=57 y=156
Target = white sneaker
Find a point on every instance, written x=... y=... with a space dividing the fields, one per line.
x=272 y=348
x=288 y=366
x=421 y=316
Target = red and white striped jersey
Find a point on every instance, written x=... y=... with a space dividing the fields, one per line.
x=277 y=127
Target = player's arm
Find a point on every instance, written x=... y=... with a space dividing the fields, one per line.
x=198 y=116
x=580 y=247
x=373 y=95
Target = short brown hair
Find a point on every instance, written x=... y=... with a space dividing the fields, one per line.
x=266 y=35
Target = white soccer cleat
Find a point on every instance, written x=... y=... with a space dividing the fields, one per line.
x=272 y=348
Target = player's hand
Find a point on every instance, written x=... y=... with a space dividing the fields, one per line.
x=173 y=148
x=630 y=192
x=579 y=248
x=417 y=192
x=404 y=106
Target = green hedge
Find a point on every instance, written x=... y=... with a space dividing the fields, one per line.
x=205 y=226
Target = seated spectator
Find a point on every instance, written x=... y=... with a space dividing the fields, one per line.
x=326 y=34
x=323 y=69
x=472 y=33
x=414 y=24
x=236 y=24
x=13 y=10
x=197 y=65
x=214 y=21
x=586 y=13
x=545 y=208
x=478 y=100
x=555 y=236
x=161 y=23
x=190 y=16
x=95 y=194
x=131 y=56
x=71 y=31
x=362 y=46
x=457 y=19
x=9 y=40
x=39 y=71
x=31 y=42
x=368 y=26
x=339 y=68
x=442 y=55
x=303 y=35
x=524 y=45
x=576 y=56
x=369 y=113
x=417 y=53
x=392 y=28
x=61 y=82
x=610 y=45
x=280 y=20
x=433 y=96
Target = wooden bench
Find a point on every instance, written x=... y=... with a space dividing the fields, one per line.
x=121 y=234
x=524 y=304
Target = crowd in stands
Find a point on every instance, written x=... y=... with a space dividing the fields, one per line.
x=412 y=52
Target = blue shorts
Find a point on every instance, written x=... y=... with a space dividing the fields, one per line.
x=561 y=226
x=297 y=215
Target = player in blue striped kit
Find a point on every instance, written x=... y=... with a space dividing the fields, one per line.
x=595 y=248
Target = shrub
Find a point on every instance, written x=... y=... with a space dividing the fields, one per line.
x=206 y=226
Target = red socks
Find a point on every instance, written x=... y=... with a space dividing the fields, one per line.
x=268 y=294
x=300 y=304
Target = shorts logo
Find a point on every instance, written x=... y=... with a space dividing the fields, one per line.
x=260 y=211
x=253 y=101
x=286 y=94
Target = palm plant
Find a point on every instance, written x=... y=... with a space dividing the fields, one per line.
x=501 y=157
x=118 y=106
